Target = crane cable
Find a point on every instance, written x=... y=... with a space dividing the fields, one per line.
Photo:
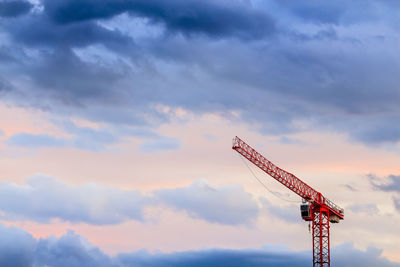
x=269 y=190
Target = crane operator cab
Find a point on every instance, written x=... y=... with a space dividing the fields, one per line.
x=305 y=210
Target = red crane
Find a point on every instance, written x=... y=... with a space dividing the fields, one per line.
x=315 y=207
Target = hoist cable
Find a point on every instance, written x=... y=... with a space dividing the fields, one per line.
x=269 y=190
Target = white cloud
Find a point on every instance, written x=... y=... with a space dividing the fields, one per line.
x=226 y=205
x=44 y=198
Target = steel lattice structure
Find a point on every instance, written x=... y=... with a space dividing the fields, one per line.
x=321 y=210
x=320 y=227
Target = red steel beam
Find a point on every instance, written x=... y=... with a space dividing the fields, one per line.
x=286 y=178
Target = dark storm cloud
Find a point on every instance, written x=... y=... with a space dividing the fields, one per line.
x=16 y=247
x=70 y=80
x=38 y=31
x=213 y=18
x=393 y=185
x=339 y=12
x=315 y=11
x=70 y=250
x=344 y=255
x=372 y=132
x=14 y=8
x=4 y=86
x=56 y=71
x=218 y=257
x=19 y=249
x=276 y=63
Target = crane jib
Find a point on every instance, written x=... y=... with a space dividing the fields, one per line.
x=287 y=179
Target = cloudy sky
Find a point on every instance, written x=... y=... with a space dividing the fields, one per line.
x=116 y=121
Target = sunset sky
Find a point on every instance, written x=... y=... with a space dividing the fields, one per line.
x=117 y=117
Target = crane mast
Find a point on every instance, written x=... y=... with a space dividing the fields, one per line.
x=317 y=208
